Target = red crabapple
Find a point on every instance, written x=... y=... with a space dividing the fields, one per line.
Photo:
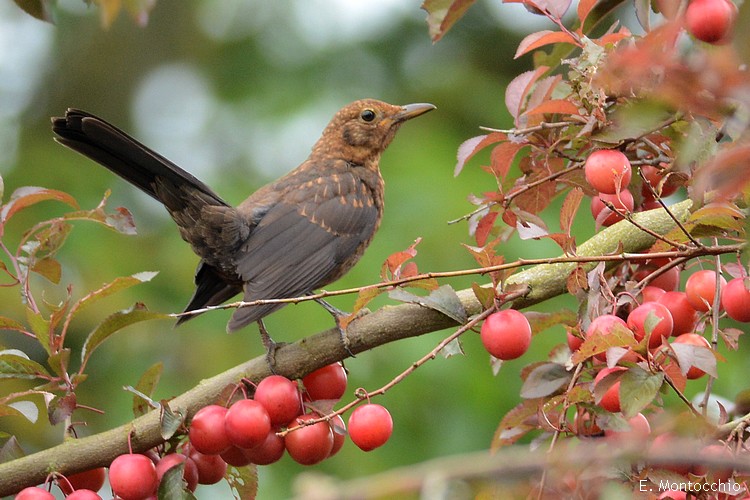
x=506 y=334
x=735 y=299
x=607 y=170
x=133 y=477
x=370 y=426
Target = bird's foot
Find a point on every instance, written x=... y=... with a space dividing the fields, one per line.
x=271 y=346
x=339 y=316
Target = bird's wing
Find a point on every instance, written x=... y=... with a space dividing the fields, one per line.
x=298 y=247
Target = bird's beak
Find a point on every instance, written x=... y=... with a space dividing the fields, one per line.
x=412 y=111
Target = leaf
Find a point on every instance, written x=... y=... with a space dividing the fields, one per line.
x=40 y=328
x=570 y=206
x=146 y=385
x=484 y=294
x=731 y=337
x=442 y=14
x=115 y=323
x=26 y=409
x=542 y=38
x=59 y=362
x=444 y=299
x=10 y=450
x=584 y=8
x=392 y=266
x=518 y=88
x=545 y=380
x=27 y=196
x=638 y=388
x=599 y=342
x=484 y=227
x=11 y=324
x=170 y=422
x=243 y=481
x=643 y=13
x=540 y=321
x=40 y=9
x=515 y=424
x=502 y=157
x=114 y=286
x=452 y=348
x=173 y=485
x=700 y=357
x=60 y=408
x=555 y=106
x=16 y=364
x=49 y=268
x=470 y=147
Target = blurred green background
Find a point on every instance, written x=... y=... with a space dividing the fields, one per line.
x=237 y=91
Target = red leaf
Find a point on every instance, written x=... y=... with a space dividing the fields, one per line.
x=442 y=14
x=584 y=8
x=471 y=146
x=613 y=37
x=542 y=38
x=569 y=208
x=502 y=158
x=560 y=106
x=518 y=88
x=393 y=264
x=484 y=227
x=27 y=196
x=556 y=8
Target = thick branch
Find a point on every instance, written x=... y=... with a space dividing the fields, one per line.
x=389 y=324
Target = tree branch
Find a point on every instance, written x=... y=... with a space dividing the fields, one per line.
x=388 y=324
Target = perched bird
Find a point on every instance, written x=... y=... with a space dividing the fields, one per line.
x=290 y=237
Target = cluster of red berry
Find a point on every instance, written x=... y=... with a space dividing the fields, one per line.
x=248 y=432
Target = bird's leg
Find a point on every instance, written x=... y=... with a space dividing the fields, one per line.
x=270 y=345
x=338 y=314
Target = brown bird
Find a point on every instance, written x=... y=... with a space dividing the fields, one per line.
x=290 y=237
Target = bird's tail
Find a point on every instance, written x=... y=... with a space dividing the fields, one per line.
x=111 y=147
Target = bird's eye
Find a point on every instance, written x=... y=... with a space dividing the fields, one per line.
x=367 y=115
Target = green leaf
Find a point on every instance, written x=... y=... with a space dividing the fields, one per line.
x=40 y=9
x=638 y=388
x=146 y=385
x=173 y=486
x=40 y=328
x=11 y=450
x=26 y=409
x=243 y=481
x=540 y=321
x=545 y=380
x=114 y=286
x=442 y=14
x=444 y=299
x=171 y=421
x=115 y=323
x=59 y=362
x=484 y=294
x=48 y=268
x=61 y=407
x=15 y=364
x=11 y=324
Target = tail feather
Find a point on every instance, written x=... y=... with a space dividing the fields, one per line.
x=111 y=147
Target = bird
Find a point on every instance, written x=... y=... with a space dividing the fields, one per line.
x=289 y=238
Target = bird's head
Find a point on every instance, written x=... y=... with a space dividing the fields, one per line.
x=360 y=131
